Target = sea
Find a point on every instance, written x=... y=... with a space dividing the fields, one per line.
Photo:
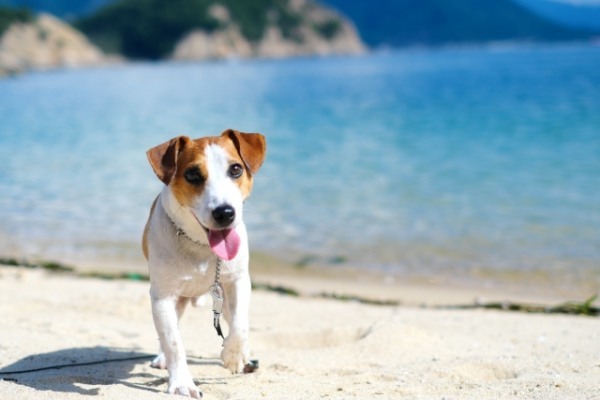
x=443 y=161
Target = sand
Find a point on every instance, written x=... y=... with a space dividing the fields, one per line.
x=308 y=347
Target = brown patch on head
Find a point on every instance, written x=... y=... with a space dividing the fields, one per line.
x=173 y=159
x=251 y=147
x=191 y=161
x=246 y=180
x=164 y=157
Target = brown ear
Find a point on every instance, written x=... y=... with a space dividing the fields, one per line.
x=163 y=158
x=252 y=147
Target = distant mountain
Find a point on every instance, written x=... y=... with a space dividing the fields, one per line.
x=155 y=29
x=435 y=22
x=196 y=29
x=576 y=15
x=379 y=22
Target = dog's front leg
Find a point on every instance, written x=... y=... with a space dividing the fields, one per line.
x=164 y=311
x=236 y=350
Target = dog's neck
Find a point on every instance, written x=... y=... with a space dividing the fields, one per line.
x=180 y=232
x=169 y=203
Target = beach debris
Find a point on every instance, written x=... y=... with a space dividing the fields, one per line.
x=312 y=259
x=47 y=265
x=570 y=307
x=358 y=299
x=284 y=290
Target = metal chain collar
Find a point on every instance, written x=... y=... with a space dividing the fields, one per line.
x=216 y=289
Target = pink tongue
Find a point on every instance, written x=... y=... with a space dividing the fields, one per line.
x=224 y=243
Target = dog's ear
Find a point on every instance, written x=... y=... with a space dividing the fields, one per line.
x=252 y=147
x=163 y=158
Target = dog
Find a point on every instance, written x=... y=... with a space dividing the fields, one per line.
x=195 y=224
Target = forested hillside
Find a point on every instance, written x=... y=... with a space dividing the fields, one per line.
x=151 y=28
x=9 y=15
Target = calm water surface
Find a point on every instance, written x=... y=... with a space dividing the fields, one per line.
x=408 y=161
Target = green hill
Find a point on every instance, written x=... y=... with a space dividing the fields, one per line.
x=434 y=22
x=145 y=28
x=148 y=29
x=8 y=15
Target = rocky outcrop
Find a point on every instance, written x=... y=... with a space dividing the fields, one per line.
x=320 y=31
x=223 y=43
x=48 y=42
x=45 y=43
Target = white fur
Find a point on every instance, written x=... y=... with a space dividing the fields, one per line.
x=219 y=188
x=181 y=270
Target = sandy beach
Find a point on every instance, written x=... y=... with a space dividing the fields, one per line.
x=308 y=347
x=424 y=216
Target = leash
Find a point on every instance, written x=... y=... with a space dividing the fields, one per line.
x=216 y=292
x=81 y=364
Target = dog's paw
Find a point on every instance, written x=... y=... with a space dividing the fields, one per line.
x=235 y=354
x=184 y=387
x=159 y=362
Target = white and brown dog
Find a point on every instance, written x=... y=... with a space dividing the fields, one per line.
x=195 y=223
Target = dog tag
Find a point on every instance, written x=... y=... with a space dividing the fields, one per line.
x=216 y=292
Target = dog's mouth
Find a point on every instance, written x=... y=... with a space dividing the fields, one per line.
x=225 y=243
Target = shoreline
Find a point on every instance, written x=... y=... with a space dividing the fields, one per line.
x=427 y=289
x=556 y=278
x=115 y=61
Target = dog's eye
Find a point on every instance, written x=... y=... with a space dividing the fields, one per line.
x=235 y=171
x=193 y=176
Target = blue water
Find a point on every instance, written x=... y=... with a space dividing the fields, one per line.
x=406 y=161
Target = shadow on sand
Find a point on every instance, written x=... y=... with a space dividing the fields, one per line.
x=69 y=370
x=77 y=370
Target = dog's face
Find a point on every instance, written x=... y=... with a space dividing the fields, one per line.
x=211 y=177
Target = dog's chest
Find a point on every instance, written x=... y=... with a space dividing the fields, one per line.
x=195 y=279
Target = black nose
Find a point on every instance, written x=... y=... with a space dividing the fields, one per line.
x=224 y=215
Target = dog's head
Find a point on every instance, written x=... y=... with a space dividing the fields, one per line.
x=211 y=177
